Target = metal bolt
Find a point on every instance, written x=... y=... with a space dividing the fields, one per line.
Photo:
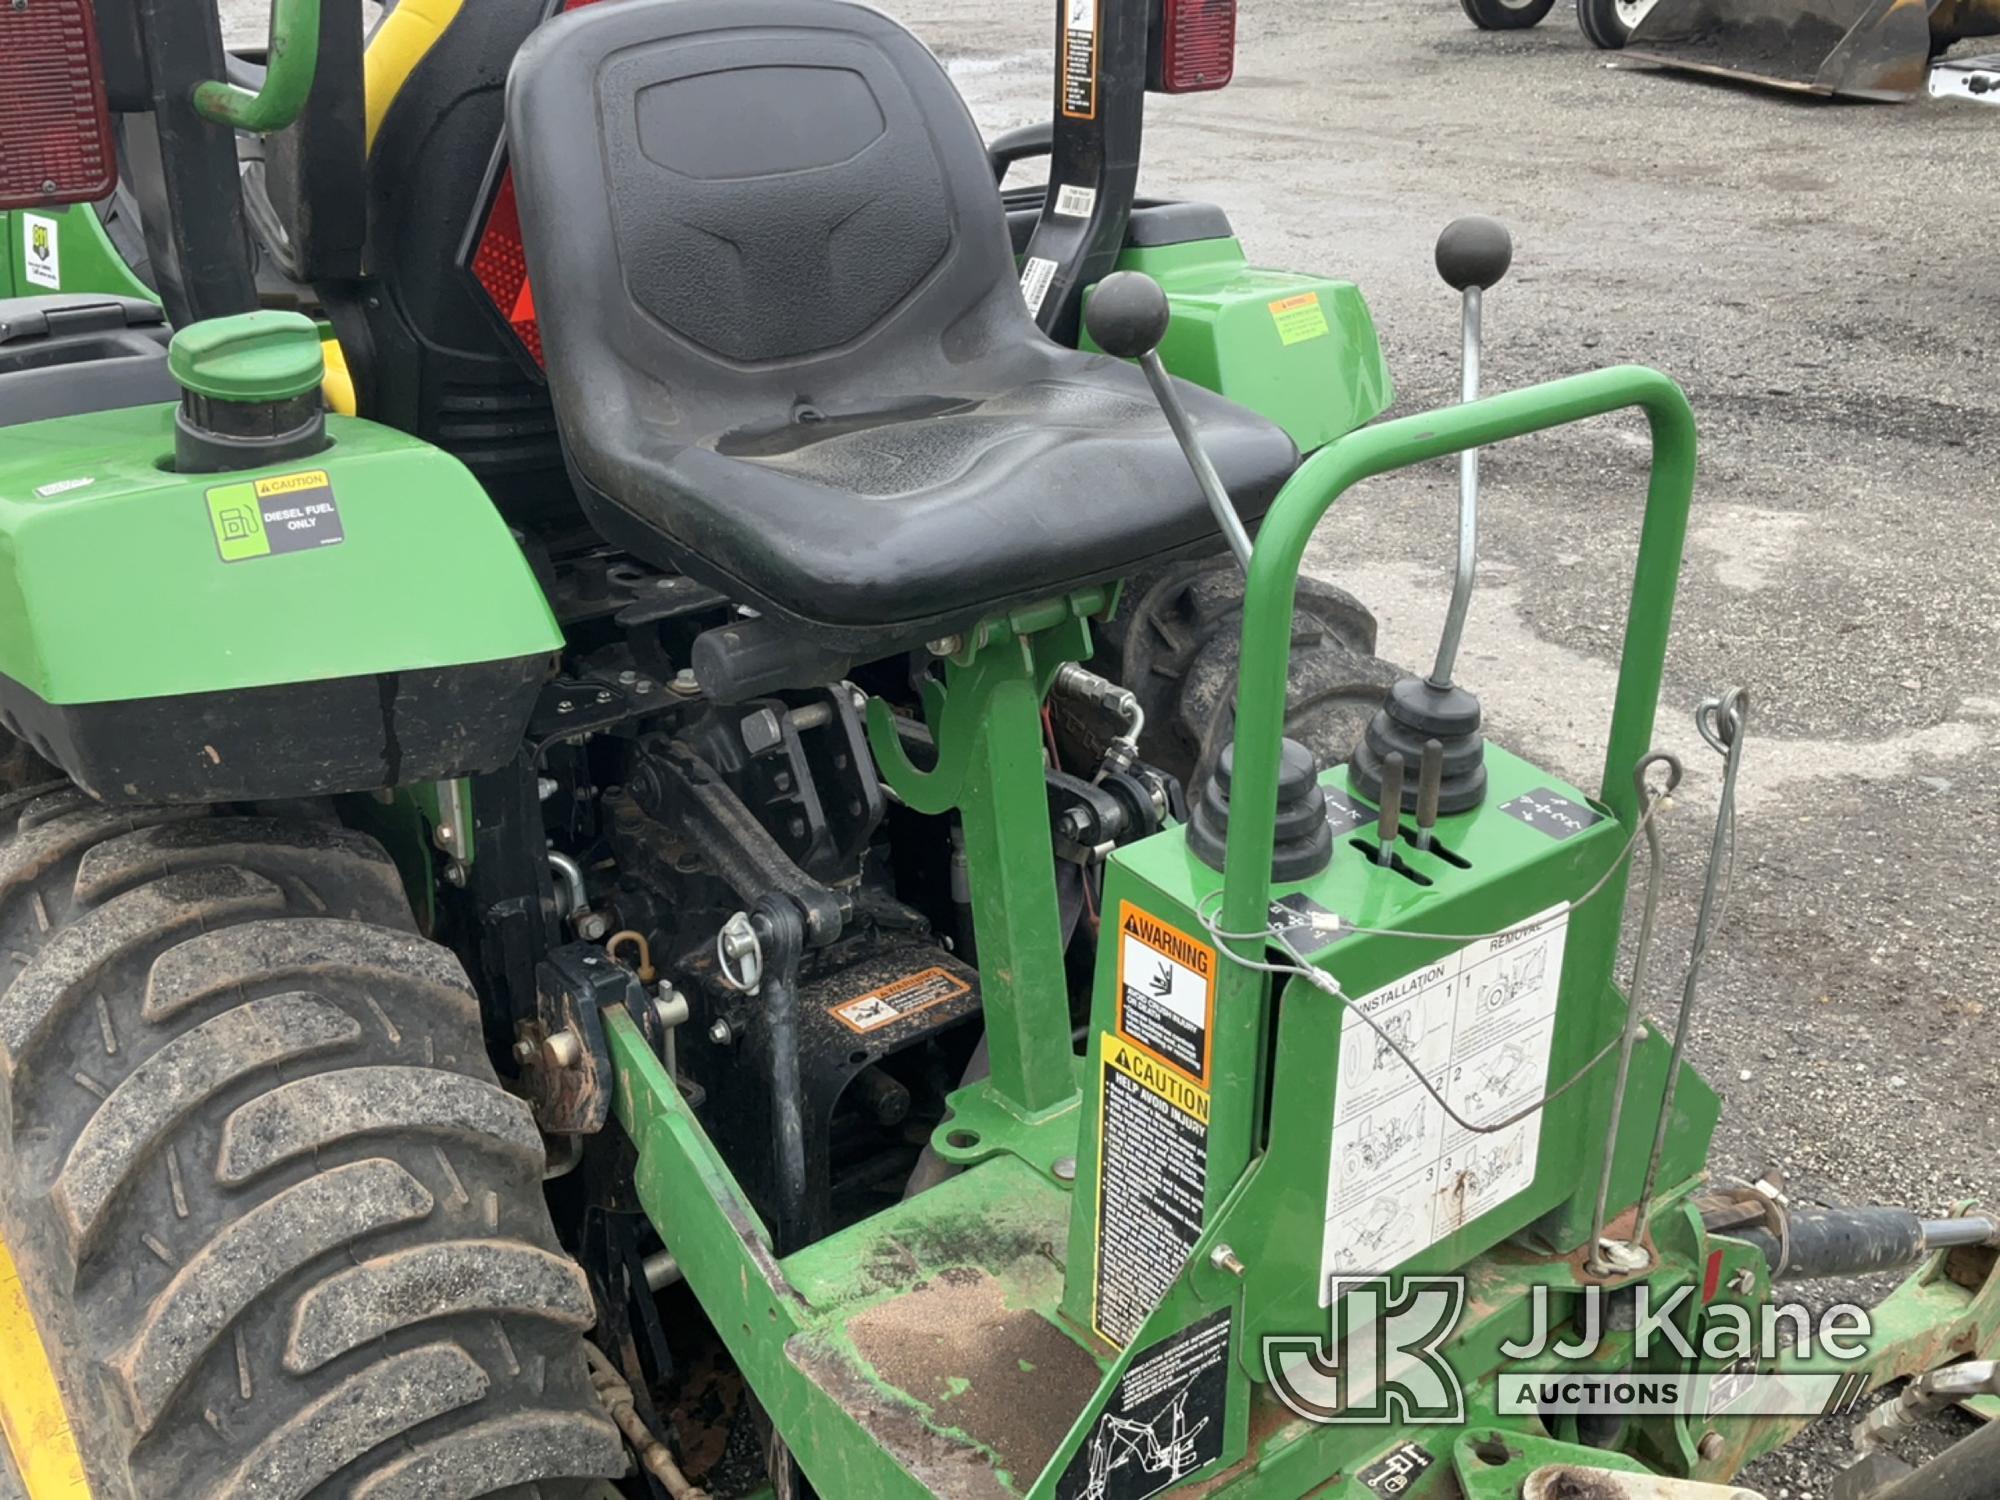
x=719 y=1032
x=48 y=185
x=684 y=684
x=591 y=926
x=1711 y=1446
x=1225 y=1259
x=946 y=645
x=455 y=873
x=1744 y=1282
x=562 y=1050
x=546 y=787
x=1064 y=1168
x=563 y=706
x=761 y=731
x=446 y=835
x=627 y=677
x=524 y=1052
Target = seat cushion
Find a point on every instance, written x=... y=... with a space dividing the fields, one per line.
x=787 y=343
x=924 y=514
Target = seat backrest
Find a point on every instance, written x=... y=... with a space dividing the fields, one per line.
x=731 y=207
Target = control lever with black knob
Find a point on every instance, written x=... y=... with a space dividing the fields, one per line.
x=1473 y=254
x=1127 y=316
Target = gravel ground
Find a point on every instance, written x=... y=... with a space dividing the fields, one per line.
x=1812 y=274
x=1817 y=277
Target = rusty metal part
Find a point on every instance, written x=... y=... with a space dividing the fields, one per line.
x=565 y=1067
x=1857 y=49
x=1575 y=1482
x=1953 y=1383
x=616 y=1394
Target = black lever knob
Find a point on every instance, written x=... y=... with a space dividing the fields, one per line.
x=1474 y=251
x=1127 y=314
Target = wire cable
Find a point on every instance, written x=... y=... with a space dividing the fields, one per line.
x=1324 y=981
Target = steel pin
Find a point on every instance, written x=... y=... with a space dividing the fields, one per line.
x=1389 y=823
x=1430 y=780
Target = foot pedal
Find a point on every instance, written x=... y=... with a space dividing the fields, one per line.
x=1974 y=78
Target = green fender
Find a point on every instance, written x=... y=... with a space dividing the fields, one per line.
x=360 y=618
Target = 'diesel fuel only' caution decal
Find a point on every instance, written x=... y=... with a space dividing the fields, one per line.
x=1152 y=1176
x=279 y=513
x=1166 y=991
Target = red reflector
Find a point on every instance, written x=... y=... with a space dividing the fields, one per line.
x=500 y=262
x=1196 y=46
x=56 y=144
x=1711 y=1281
x=500 y=266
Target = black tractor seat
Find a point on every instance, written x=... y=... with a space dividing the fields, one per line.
x=788 y=347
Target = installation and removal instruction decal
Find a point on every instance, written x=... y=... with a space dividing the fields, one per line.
x=1479 y=1022
x=1152 y=1175
x=284 y=513
x=1163 y=1423
x=899 y=998
x=1166 y=990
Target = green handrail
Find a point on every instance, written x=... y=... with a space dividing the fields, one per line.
x=1330 y=473
x=291 y=59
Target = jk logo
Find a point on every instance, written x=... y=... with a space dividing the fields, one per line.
x=41 y=242
x=1378 y=1362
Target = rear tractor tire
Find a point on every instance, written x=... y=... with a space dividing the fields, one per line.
x=281 y=1231
x=1176 y=642
x=1609 y=24
x=1506 y=15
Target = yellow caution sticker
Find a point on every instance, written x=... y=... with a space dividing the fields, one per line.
x=1152 y=1178
x=31 y=1404
x=1166 y=991
x=1299 y=318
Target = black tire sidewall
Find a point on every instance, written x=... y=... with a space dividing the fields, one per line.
x=1601 y=25
x=1495 y=15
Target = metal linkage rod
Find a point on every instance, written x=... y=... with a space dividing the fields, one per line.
x=1724 y=722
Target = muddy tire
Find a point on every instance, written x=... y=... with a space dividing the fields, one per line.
x=1506 y=15
x=282 y=1231
x=1175 y=643
x=21 y=768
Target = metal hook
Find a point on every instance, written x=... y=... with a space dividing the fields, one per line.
x=1646 y=763
x=1720 y=720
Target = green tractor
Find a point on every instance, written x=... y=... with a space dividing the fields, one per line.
x=561 y=841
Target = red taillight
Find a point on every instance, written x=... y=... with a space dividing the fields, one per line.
x=55 y=143
x=1194 y=47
